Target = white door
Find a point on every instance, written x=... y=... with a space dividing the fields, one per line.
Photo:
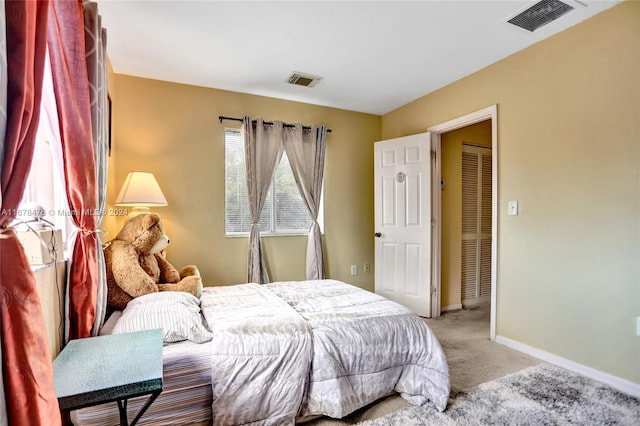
x=402 y=174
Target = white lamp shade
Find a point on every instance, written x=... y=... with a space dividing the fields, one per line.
x=141 y=189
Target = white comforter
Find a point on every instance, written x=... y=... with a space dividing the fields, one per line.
x=364 y=347
x=261 y=355
x=300 y=349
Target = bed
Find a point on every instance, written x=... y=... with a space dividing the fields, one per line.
x=282 y=353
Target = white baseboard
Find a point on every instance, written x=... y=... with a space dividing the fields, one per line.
x=476 y=301
x=451 y=308
x=623 y=385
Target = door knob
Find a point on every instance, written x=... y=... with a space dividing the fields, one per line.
x=377 y=235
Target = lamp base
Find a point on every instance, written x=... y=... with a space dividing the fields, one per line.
x=138 y=210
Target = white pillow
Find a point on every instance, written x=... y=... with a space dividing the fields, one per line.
x=176 y=313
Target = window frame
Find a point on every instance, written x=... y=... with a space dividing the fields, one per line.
x=273 y=232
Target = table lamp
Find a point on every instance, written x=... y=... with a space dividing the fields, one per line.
x=140 y=191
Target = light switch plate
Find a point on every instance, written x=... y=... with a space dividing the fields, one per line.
x=513 y=208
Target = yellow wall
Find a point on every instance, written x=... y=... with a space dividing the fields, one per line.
x=568 y=139
x=173 y=131
x=451 y=214
x=569 y=152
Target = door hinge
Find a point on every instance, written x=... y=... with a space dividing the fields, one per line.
x=433 y=154
x=433 y=290
x=433 y=222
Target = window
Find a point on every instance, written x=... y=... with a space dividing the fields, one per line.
x=45 y=184
x=284 y=211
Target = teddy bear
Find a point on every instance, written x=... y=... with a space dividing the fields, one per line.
x=136 y=264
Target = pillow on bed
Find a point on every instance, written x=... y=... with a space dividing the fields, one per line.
x=176 y=313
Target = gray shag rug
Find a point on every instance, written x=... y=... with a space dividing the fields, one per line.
x=539 y=395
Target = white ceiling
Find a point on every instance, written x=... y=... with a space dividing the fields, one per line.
x=374 y=56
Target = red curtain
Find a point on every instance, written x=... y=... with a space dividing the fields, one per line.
x=71 y=86
x=26 y=361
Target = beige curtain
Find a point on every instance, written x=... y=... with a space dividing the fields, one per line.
x=96 y=56
x=263 y=150
x=305 y=150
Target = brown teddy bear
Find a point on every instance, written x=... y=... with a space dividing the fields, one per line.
x=136 y=265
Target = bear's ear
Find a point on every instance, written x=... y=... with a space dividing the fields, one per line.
x=150 y=220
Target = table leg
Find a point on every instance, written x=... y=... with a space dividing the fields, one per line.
x=146 y=405
x=122 y=408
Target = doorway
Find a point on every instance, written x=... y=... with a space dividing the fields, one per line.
x=437 y=133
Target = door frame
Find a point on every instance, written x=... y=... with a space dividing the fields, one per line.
x=488 y=113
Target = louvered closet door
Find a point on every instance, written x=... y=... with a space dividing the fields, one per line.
x=476 y=224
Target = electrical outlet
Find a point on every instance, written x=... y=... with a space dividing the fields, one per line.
x=367 y=267
x=354 y=269
x=638 y=326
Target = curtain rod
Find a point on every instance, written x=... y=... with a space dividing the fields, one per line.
x=222 y=117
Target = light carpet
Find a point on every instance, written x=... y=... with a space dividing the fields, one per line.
x=539 y=395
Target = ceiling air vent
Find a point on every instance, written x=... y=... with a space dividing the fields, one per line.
x=540 y=14
x=306 y=80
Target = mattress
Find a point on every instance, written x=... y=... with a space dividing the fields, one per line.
x=185 y=399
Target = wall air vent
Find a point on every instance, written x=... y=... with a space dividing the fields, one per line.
x=540 y=14
x=301 y=79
